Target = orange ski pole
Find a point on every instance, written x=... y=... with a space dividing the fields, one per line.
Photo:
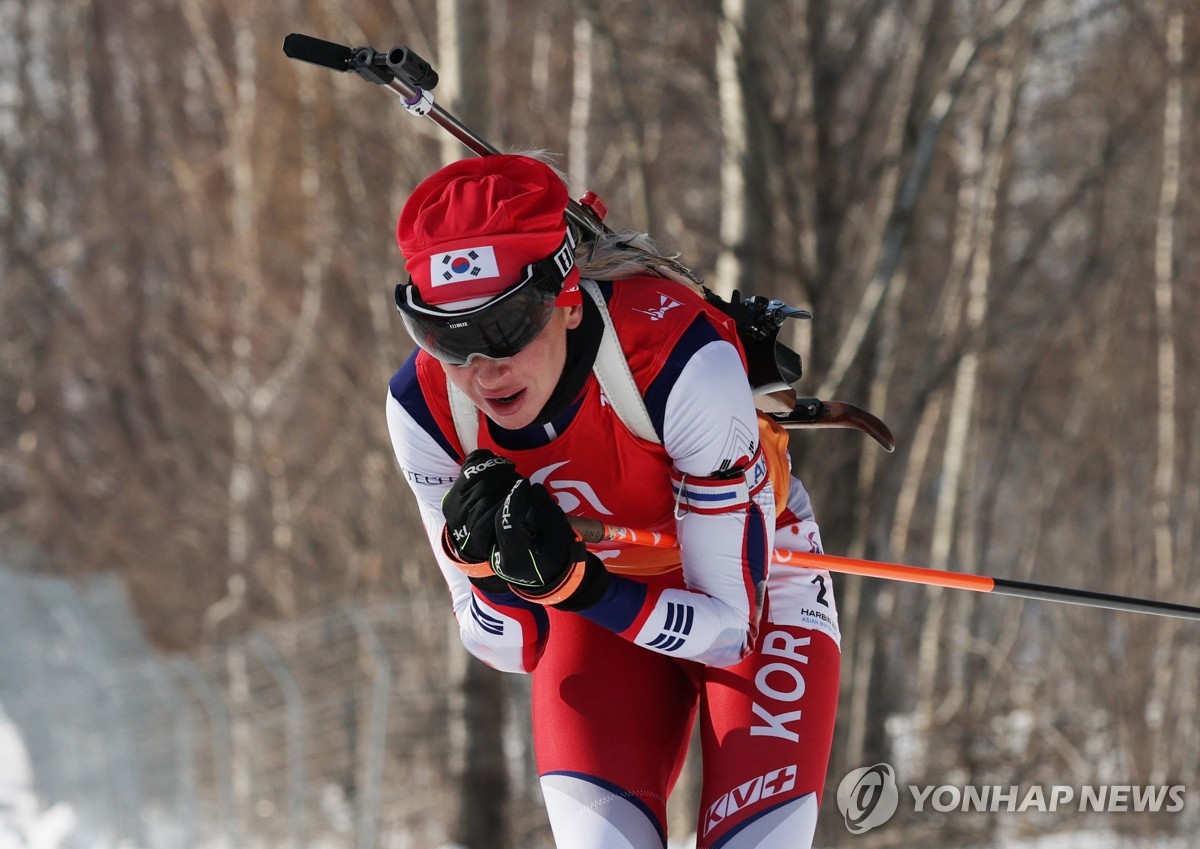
x=593 y=530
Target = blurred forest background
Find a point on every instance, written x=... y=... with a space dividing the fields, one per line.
x=991 y=207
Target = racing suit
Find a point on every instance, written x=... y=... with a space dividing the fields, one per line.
x=711 y=630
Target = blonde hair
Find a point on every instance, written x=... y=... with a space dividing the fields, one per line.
x=617 y=256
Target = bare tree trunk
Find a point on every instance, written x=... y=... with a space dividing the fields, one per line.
x=805 y=214
x=983 y=167
x=633 y=128
x=909 y=190
x=893 y=149
x=481 y=819
x=463 y=68
x=257 y=406
x=1164 y=255
x=731 y=48
x=959 y=411
x=1188 y=660
x=749 y=250
x=581 y=108
x=858 y=689
x=1160 y=703
x=451 y=76
x=484 y=792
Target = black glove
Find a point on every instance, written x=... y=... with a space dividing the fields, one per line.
x=471 y=504
x=541 y=556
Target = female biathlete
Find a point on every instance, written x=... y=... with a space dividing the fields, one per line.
x=543 y=389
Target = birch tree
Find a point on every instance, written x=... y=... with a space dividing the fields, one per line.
x=1166 y=454
x=483 y=795
x=731 y=46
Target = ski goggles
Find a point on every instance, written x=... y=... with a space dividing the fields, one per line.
x=498 y=329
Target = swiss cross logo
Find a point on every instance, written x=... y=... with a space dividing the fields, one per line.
x=665 y=304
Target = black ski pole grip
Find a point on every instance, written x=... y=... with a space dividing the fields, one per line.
x=318 y=52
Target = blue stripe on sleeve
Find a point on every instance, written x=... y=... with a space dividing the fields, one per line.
x=487 y=622
x=756 y=544
x=406 y=389
x=514 y=602
x=699 y=333
x=619 y=606
x=697 y=495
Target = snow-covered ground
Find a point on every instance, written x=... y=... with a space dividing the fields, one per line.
x=1093 y=840
x=1073 y=840
x=23 y=823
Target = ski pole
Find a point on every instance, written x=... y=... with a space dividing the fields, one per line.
x=593 y=530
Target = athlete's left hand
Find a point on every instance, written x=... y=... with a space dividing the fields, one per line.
x=540 y=555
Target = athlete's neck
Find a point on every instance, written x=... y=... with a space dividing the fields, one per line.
x=582 y=344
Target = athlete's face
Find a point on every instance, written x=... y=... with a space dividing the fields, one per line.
x=512 y=392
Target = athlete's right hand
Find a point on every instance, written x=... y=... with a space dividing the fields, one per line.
x=471 y=505
x=541 y=556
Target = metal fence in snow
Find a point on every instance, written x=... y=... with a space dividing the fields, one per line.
x=335 y=730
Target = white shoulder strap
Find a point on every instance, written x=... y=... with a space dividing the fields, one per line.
x=615 y=378
x=466 y=418
x=611 y=370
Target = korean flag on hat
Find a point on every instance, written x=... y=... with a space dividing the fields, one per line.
x=463 y=265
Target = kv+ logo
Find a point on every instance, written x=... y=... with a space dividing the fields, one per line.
x=867 y=797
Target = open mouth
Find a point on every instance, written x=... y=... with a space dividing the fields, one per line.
x=506 y=400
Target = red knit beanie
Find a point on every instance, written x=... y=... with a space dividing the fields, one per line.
x=468 y=230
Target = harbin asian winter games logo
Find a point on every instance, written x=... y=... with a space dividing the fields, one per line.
x=867 y=797
x=665 y=304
